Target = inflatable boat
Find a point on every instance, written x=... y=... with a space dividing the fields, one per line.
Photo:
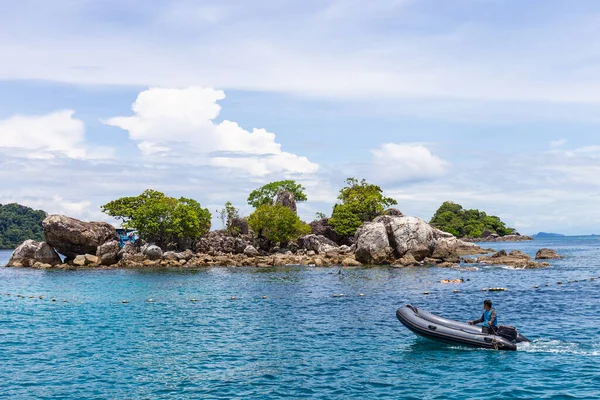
x=441 y=329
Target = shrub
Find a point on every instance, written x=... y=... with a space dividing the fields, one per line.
x=277 y=223
x=227 y=215
x=359 y=202
x=453 y=218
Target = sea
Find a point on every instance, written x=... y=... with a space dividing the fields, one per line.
x=287 y=332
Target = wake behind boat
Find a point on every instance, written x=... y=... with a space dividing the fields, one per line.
x=441 y=329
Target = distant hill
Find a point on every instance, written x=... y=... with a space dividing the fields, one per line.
x=19 y=223
x=542 y=235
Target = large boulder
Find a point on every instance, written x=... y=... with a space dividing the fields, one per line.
x=238 y=226
x=322 y=227
x=287 y=199
x=391 y=237
x=31 y=252
x=72 y=237
x=547 y=254
x=152 y=251
x=219 y=242
x=108 y=252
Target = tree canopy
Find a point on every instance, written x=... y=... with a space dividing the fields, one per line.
x=161 y=219
x=277 y=223
x=227 y=214
x=267 y=193
x=454 y=219
x=19 y=223
x=360 y=202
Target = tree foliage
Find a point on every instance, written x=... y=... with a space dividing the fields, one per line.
x=359 y=202
x=19 y=223
x=267 y=193
x=454 y=219
x=277 y=223
x=161 y=219
x=228 y=214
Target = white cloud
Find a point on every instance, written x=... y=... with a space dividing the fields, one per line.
x=402 y=162
x=179 y=124
x=558 y=143
x=47 y=136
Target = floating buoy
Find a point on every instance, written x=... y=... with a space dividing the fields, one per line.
x=150 y=300
x=341 y=295
x=537 y=287
x=53 y=299
x=336 y=295
x=233 y=298
x=456 y=291
x=497 y=289
x=483 y=289
x=546 y=285
x=196 y=300
x=264 y=297
x=425 y=292
x=40 y=297
x=31 y=297
x=65 y=301
x=559 y=283
x=361 y=295
x=575 y=281
x=591 y=279
x=123 y=301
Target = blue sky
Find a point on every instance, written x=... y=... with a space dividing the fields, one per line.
x=489 y=103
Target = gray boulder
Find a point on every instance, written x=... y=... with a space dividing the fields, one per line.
x=152 y=251
x=238 y=226
x=373 y=245
x=287 y=199
x=547 y=254
x=108 y=253
x=250 y=251
x=316 y=243
x=31 y=252
x=72 y=237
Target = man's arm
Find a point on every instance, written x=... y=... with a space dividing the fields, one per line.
x=477 y=321
x=493 y=318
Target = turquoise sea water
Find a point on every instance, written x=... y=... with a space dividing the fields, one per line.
x=299 y=342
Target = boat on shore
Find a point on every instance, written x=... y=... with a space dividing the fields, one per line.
x=441 y=329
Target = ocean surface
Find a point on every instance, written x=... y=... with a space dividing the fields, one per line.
x=299 y=341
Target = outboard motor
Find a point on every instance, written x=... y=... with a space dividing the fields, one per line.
x=509 y=333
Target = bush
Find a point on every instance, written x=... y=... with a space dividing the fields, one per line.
x=360 y=202
x=277 y=223
x=227 y=215
x=161 y=219
x=454 y=219
x=267 y=193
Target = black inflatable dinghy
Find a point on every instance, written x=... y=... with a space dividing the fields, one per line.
x=441 y=329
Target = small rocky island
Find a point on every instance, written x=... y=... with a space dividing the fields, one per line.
x=360 y=232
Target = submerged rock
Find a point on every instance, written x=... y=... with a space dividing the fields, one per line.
x=72 y=237
x=31 y=252
x=515 y=259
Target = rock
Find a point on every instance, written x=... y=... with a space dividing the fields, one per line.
x=91 y=259
x=153 y=252
x=394 y=212
x=350 y=262
x=448 y=265
x=238 y=226
x=344 y=249
x=372 y=244
x=79 y=260
x=30 y=252
x=322 y=227
x=515 y=259
x=547 y=254
x=108 y=252
x=390 y=238
x=71 y=237
x=318 y=262
x=251 y=251
x=221 y=242
x=494 y=237
x=316 y=243
x=407 y=261
x=286 y=199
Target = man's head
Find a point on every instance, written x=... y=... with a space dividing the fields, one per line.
x=487 y=305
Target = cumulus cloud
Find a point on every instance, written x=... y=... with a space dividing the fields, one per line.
x=179 y=124
x=47 y=136
x=402 y=162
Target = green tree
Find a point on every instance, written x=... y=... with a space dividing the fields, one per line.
x=19 y=223
x=228 y=214
x=267 y=193
x=320 y=215
x=161 y=219
x=360 y=202
x=453 y=218
x=277 y=223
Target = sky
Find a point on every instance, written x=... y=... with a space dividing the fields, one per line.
x=493 y=104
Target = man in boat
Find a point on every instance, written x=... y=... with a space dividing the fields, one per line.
x=489 y=319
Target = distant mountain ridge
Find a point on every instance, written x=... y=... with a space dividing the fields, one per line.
x=19 y=223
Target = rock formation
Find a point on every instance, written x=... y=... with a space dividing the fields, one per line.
x=515 y=259
x=389 y=238
x=494 y=237
x=287 y=199
x=547 y=254
x=108 y=252
x=31 y=252
x=72 y=237
x=238 y=226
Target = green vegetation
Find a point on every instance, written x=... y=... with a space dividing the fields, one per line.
x=19 y=223
x=228 y=214
x=267 y=193
x=320 y=215
x=161 y=219
x=452 y=218
x=359 y=202
x=277 y=223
